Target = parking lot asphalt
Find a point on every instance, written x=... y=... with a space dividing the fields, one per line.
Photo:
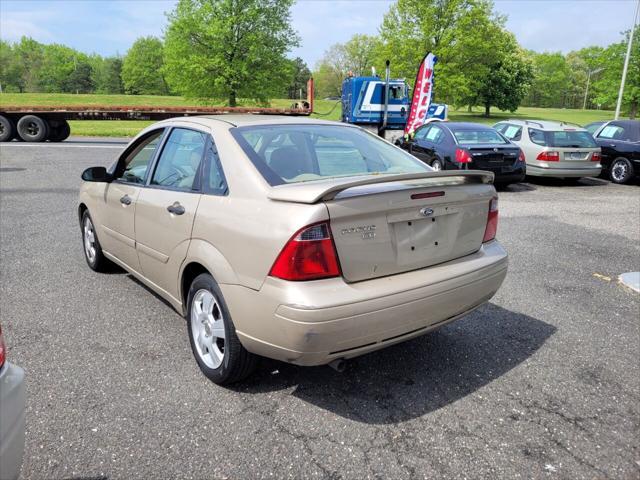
x=543 y=382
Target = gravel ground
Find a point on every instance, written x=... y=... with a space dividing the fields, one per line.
x=543 y=382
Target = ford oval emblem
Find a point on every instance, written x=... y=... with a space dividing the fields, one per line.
x=426 y=211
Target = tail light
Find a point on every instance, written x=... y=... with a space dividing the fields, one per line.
x=521 y=157
x=492 y=221
x=548 y=156
x=462 y=156
x=309 y=255
x=3 y=350
x=596 y=157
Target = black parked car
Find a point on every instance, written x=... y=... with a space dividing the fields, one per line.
x=620 y=144
x=458 y=145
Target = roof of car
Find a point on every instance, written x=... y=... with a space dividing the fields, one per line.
x=240 y=120
x=624 y=122
x=542 y=124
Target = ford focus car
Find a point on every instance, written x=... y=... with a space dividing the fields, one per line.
x=554 y=149
x=302 y=240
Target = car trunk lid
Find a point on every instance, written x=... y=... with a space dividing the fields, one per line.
x=391 y=226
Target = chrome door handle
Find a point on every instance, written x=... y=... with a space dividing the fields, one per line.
x=176 y=208
x=126 y=200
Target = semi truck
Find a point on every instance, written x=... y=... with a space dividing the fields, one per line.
x=381 y=105
x=41 y=123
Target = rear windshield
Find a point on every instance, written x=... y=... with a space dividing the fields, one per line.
x=302 y=153
x=479 y=136
x=562 y=138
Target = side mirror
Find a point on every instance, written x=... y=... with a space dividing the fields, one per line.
x=96 y=174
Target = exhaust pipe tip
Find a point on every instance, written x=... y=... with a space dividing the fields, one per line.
x=339 y=365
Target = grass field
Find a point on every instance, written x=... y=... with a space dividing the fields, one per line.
x=127 y=128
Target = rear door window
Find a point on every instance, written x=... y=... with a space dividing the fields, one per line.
x=537 y=136
x=512 y=132
x=435 y=134
x=612 y=132
x=179 y=162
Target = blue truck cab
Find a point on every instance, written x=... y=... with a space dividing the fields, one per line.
x=363 y=105
x=363 y=102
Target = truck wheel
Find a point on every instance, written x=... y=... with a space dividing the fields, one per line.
x=60 y=132
x=33 y=129
x=7 y=129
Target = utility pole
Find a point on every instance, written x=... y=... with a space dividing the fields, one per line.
x=626 y=62
x=586 y=92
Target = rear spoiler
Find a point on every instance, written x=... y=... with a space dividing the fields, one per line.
x=315 y=191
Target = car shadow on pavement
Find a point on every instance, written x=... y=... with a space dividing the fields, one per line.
x=515 y=187
x=417 y=377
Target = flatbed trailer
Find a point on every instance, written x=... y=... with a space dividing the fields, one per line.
x=42 y=123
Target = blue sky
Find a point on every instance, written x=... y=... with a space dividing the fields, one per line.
x=110 y=26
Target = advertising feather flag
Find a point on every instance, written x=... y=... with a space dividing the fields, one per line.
x=422 y=94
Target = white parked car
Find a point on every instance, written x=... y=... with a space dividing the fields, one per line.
x=554 y=149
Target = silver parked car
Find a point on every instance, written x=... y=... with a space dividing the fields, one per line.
x=12 y=416
x=554 y=149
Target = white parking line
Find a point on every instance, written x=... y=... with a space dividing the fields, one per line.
x=45 y=145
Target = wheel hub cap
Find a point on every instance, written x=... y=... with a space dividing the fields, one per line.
x=619 y=171
x=89 y=240
x=207 y=328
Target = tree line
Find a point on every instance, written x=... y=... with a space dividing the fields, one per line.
x=211 y=50
x=480 y=61
x=229 y=50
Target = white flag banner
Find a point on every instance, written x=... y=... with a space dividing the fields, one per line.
x=422 y=94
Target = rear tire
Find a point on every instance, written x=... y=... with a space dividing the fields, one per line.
x=60 y=132
x=212 y=334
x=7 y=129
x=92 y=249
x=621 y=170
x=437 y=165
x=33 y=129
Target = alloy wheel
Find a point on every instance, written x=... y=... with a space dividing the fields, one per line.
x=207 y=327
x=89 y=240
x=619 y=171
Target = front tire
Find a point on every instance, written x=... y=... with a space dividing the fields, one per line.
x=212 y=334
x=92 y=249
x=621 y=171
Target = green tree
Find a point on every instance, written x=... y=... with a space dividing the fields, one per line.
x=11 y=70
x=607 y=84
x=30 y=55
x=80 y=79
x=550 y=80
x=356 y=57
x=508 y=81
x=471 y=44
x=64 y=69
x=142 y=68
x=299 y=76
x=411 y=28
x=229 y=48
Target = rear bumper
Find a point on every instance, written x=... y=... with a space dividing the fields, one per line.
x=313 y=323
x=12 y=420
x=538 y=171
